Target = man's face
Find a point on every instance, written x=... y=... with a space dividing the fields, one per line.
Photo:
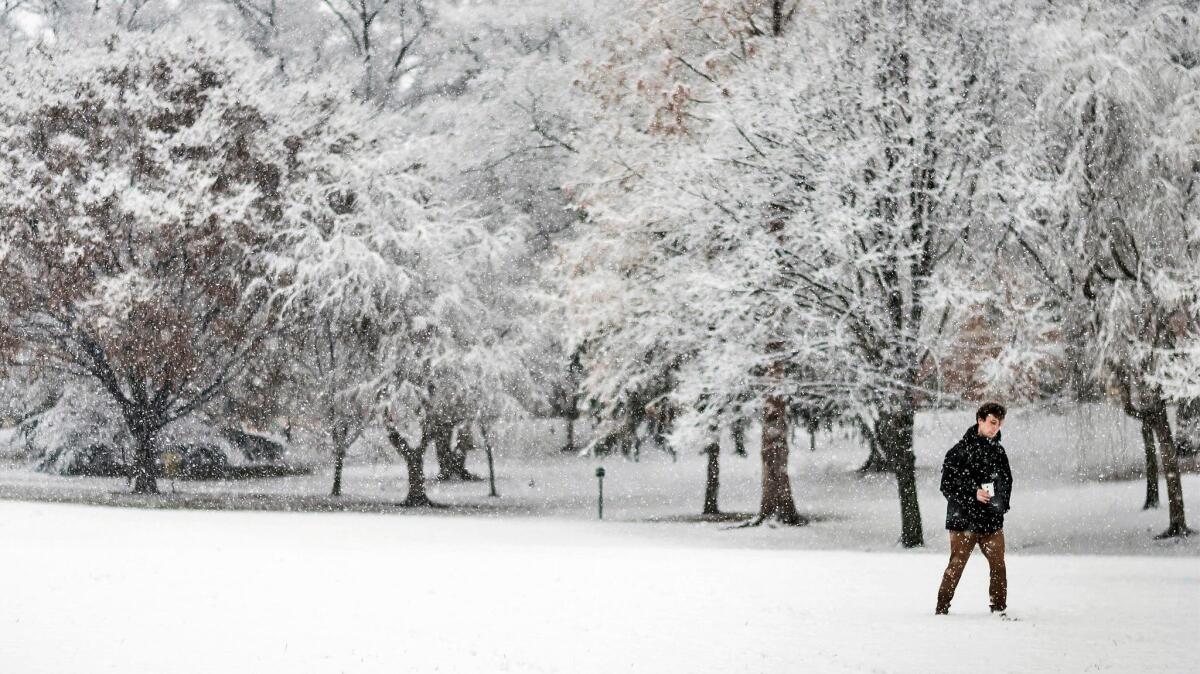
x=990 y=426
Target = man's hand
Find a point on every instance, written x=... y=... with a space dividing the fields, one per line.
x=982 y=496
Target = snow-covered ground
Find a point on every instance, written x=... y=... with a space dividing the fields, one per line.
x=126 y=590
x=531 y=582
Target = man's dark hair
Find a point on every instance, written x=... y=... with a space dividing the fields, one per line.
x=995 y=409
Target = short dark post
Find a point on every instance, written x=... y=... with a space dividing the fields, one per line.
x=600 y=480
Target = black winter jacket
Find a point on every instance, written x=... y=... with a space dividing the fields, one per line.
x=970 y=463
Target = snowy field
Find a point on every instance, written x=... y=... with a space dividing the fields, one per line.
x=532 y=582
x=90 y=589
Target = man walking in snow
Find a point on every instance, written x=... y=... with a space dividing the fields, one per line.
x=977 y=483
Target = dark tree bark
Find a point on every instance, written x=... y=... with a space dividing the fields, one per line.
x=340 y=437
x=339 y=460
x=632 y=443
x=895 y=431
x=491 y=463
x=1177 y=522
x=777 y=499
x=1151 y=465
x=712 y=480
x=441 y=434
x=876 y=461
x=144 y=480
x=145 y=415
x=571 y=408
x=414 y=459
x=739 y=436
x=451 y=450
x=569 y=447
x=660 y=417
x=144 y=410
x=1146 y=415
x=567 y=401
x=464 y=443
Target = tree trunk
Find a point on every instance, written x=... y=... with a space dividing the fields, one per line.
x=712 y=480
x=739 y=436
x=1151 y=465
x=1177 y=522
x=633 y=442
x=439 y=433
x=451 y=450
x=574 y=374
x=895 y=431
x=876 y=461
x=777 y=17
x=777 y=499
x=491 y=463
x=339 y=460
x=144 y=480
x=463 y=442
x=570 y=446
x=414 y=459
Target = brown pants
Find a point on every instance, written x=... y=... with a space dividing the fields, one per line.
x=962 y=543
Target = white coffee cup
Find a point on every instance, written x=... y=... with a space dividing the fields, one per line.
x=990 y=488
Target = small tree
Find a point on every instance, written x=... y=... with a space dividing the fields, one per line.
x=358 y=278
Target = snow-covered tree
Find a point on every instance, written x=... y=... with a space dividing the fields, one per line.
x=498 y=147
x=406 y=311
x=1111 y=223
x=467 y=355
x=824 y=219
x=145 y=181
x=481 y=88
x=352 y=275
x=628 y=289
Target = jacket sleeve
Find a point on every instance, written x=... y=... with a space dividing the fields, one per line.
x=955 y=485
x=1004 y=485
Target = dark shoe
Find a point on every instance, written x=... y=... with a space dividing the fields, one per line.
x=941 y=611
